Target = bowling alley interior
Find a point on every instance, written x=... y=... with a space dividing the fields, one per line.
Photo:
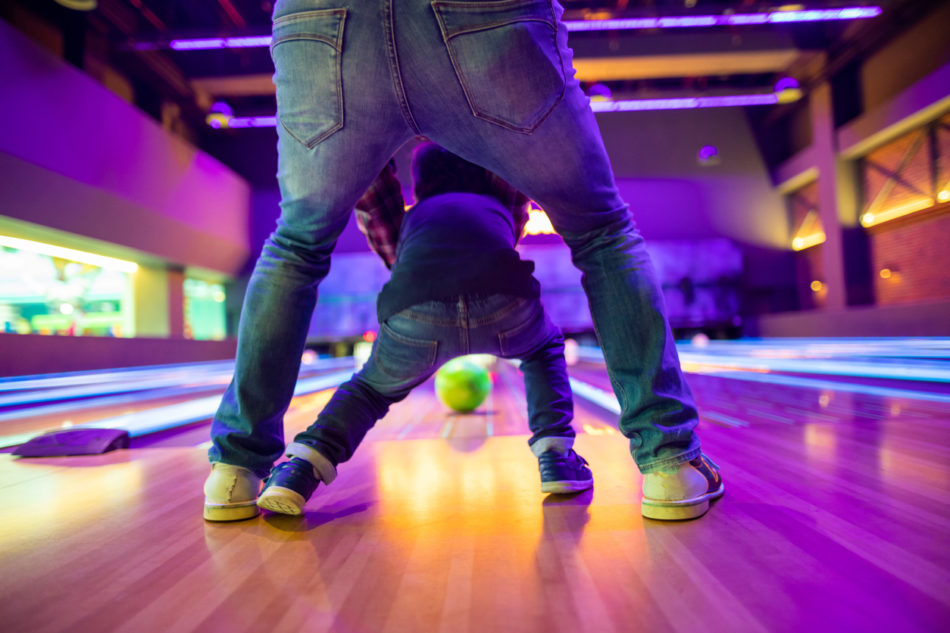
x=788 y=166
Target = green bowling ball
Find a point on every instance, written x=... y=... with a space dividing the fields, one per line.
x=462 y=385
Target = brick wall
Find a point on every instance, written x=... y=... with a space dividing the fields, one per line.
x=916 y=252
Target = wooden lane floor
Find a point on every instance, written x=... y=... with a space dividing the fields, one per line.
x=834 y=523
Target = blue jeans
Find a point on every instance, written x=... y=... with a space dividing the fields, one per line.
x=415 y=342
x=493 y=83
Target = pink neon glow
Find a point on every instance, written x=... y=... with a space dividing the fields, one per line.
x=619 y=24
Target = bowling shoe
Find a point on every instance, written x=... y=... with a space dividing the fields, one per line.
x=231 y=493
x=289 y=486
x=564 y=472
x=682 y=492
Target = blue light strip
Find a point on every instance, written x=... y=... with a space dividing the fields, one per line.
x=893 y=359
x=608 y=401
x=931 y=347
x=95 y=403
x=45 y=381
x=179 y=414
x=817 y=383
x=895 y=370
x=51 y=388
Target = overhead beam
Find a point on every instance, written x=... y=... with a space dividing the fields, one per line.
x=588 y=69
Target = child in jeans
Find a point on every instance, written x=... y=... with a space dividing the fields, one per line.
x=458 y=287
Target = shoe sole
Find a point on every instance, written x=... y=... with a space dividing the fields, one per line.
x=679 y=510
x=282 y=501
x=231 y=511
x=562 y=487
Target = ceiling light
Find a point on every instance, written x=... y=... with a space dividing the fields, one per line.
x=621 y=105
x=618 y=24
x=684 y=103
x=68 y=253
x=735 y=19
x=219 y=115
x=78 y=5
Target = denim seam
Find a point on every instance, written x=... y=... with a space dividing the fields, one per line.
x=398 y=87
x=306 y=37
x=297 y=16
x=494 y=25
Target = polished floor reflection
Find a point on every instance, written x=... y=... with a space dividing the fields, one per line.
x=835 y=518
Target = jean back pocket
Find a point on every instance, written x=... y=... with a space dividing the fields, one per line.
x=506 y=58
x=307 y=50
x=403 y=357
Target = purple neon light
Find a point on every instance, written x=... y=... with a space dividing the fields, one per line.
x=623 y=105
x=197 y=45
x=252 y=121
x=708 y=152
x=738 y=19
x=683 y=103
x=253 y=41
x=786 y=83
x=619 y=24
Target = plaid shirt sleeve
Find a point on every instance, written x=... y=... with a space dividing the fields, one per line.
x=514 y=201
x=379 y=214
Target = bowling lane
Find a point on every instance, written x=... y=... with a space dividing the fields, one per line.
x=503 y=413
x=843 y=493
x=876 y=458
x=447 y=506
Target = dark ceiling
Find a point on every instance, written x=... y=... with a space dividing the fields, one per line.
x=132 y=35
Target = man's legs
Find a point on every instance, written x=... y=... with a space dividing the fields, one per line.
x=553 y=152
x=544 y=140
x=329 y=150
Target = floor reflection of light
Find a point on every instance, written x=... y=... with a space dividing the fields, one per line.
x=909 y=473
x=62 y=495
x=478 y=482
x=820 y=441
x=598 y=430
x=825 y=398
x=410 y=480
